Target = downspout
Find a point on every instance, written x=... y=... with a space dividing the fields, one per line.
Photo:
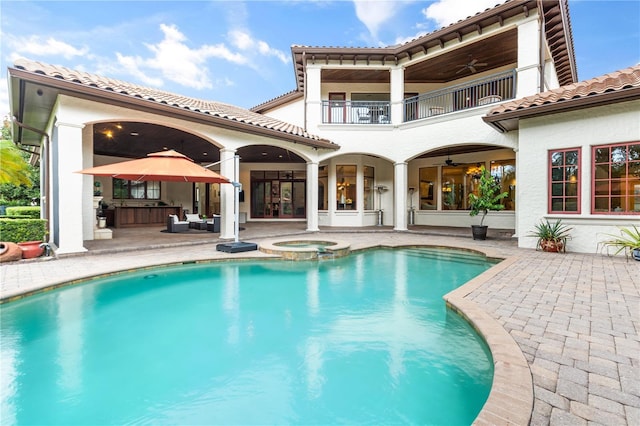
x=304 y=84
x=43 y=170
x=542 y=31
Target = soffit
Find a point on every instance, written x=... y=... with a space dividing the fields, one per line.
x=558 y=34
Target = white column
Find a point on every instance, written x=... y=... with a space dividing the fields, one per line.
x=72 y=191
x=528 y=80
x=312 y=196
x=227 y=194
x=313 y=93
x=400 y=192
x=397 y=95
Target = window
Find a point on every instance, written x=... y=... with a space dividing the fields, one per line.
x=616 y=178
x=564 y=181
x=369 y=181
x=504 y=172
x=133 y=189
x=428 y=181
x=346 y=187
x=323 y=188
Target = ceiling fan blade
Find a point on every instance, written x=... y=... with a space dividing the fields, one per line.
x=481 y=64
x=473 y=70
x=472 y=63
x=461 y=69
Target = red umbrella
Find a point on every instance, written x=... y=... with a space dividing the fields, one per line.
x=169 y=166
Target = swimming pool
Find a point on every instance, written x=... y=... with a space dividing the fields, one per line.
x=359 y=339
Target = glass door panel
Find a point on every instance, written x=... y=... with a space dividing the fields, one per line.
x=286 y=200
x=299 y=197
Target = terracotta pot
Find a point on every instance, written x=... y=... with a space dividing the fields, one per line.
x=10 y=252
x=552 y=246
x=31 y=249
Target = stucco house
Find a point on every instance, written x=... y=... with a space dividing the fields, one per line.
x=393 y=136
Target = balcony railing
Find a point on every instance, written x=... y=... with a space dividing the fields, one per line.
x=356 y=112
x=485 y=91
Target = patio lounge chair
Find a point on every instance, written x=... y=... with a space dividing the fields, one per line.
x=175 y=225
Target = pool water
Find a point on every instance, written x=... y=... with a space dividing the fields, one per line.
x=364 y=339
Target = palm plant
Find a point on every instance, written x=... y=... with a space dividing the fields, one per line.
x=552 y=237
x=628 y=241
x=13 y=168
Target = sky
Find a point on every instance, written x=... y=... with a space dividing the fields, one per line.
x=239 y=52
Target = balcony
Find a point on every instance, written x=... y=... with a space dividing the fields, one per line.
x=484 y=91
x=356 y=112
x=479 y=92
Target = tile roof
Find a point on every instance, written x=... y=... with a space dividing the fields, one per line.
x=613 y=87
x=227 y=112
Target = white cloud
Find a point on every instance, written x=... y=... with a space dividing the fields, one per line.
x=36 y=45
x=178 y=62
x=374 y=13
x=446 y=12
x=4 y=100
x=243 y=41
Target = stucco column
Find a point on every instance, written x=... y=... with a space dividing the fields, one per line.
x=528 y=80
x=397 y=95
x=400 y=171
x=313 y=93
x=312 y=196
x=72 y=192
x=227 y=193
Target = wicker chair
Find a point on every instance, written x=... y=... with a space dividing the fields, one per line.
x=175 y=225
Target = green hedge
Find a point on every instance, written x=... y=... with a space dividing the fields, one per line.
x=20 y=230
x=30 y=211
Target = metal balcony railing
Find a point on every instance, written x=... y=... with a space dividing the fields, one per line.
x=356 y=112
x=484 y=91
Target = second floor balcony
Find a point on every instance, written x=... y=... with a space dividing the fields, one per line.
x=484 y=91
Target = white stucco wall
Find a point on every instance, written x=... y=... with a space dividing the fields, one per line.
x=578 y=129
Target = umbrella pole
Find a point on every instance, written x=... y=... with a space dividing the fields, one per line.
x=236 y=187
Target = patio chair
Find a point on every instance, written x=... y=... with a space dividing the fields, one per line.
x=175 y=225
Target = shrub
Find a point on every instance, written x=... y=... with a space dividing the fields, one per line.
x=32 y=212
x=20 y=230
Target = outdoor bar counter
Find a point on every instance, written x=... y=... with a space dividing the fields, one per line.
x=126 y=216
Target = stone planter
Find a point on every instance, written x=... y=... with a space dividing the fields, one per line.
x=31 y=249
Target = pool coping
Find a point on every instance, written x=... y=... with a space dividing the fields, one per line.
x=511 y=397
x=337 y=249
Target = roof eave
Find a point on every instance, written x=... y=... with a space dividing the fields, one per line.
x=501 y=121
x=139 y=103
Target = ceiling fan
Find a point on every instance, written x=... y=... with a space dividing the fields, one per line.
x=448 y=162
x=471 y=66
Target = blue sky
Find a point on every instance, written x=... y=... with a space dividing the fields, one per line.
x=238 y=52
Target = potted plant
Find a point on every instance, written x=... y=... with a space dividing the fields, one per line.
x=628 y=241
x=488 y=198
x=552 y=237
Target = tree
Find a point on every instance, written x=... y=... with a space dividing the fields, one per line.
x=488 y=197
x=17 y=176
x=13 y=167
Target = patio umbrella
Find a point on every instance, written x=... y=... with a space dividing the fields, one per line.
x=167 y=166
